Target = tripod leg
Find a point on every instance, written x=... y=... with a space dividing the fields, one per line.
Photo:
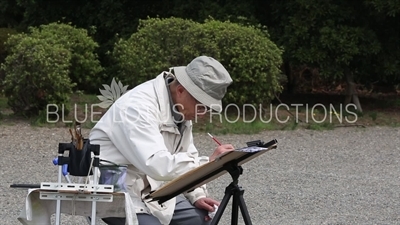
x=221 y=208
x=235 y=209
x=243 y=208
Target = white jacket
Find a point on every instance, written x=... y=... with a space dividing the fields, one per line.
x=139 y=130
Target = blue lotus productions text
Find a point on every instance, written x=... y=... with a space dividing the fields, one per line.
x=317 y=113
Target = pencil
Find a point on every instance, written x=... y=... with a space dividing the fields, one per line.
x=212 y=137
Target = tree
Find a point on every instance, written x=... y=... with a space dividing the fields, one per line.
x=334 y=36
x=385 y=21
x=11 y=14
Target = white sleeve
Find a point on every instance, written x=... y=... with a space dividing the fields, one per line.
x=200 y=192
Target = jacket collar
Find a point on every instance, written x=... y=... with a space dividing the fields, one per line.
x=164 y=101
x=178 y=118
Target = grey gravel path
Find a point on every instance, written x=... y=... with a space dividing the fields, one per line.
x=343 y=176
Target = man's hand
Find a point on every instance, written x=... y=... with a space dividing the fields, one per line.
x=220 y=150
x=206 y=204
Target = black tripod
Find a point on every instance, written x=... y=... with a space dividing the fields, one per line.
x=233 y=189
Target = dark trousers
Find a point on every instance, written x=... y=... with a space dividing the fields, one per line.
x=185 y=213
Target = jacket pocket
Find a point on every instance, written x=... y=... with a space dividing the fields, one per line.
x=171 y=136
x=164 y=211
x=170 y=128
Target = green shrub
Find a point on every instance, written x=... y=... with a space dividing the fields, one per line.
x=251 y=58
x=4 y=34
x=84 y=67
x=36 y=74
x=158 y=45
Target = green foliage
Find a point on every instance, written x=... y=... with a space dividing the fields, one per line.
x=373 y=115
x=4 y=34
x=388 y=7
x=84 y=67
x=384 y=17
x=251 y=58
x=44 y=64
x=158 y=45
x=36 y=74
x=10 y=13
x=247 y=53
x=328 y=35
x=232 y=10
x=343 y=47
x=110 y=18
x=338 y=37
x=320 y=126
x=325 y=34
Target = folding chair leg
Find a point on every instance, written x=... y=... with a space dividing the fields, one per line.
x=95 y=181
x=58 y=208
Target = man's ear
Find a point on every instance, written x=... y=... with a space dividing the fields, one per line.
x=180 y=89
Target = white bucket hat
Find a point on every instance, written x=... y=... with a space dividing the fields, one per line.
x=205 y=79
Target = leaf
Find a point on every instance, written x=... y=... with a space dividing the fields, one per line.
x=107 y=94
x=115 y=89
x=124 y=89
x=120 y=86
x=111 y=93
x=105 y=104
x=101 y=98
x=107 y=87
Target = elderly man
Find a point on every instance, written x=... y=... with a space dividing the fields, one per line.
x=149 y=129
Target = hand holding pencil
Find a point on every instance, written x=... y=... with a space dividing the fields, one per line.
x=222 y=148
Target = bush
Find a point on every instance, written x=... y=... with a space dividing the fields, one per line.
x=251 y=58
x=36 y=74
x=247 y=53
x=158 y=45
x=4 y=34
x=84 y=67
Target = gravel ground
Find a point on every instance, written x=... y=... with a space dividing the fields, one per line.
x=343 y=176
